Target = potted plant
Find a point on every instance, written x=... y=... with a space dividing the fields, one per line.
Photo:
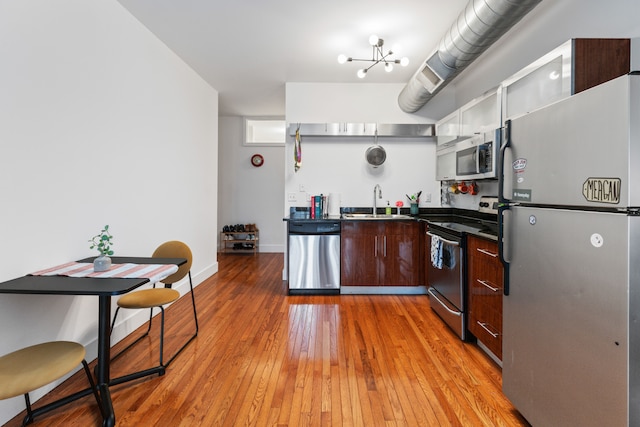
x=102 y=242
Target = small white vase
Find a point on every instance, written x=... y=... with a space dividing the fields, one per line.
x=102 y=263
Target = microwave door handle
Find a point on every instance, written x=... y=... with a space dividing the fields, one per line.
x=478 y=154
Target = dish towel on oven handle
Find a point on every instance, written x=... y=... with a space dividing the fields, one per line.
x=436 y=252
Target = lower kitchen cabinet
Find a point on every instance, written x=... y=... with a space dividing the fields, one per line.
x=485 y=286
x=380 y=253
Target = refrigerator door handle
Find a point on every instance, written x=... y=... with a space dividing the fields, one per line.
x=504 y=214
x=503 y=148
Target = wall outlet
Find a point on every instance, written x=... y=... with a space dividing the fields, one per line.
x=427 y=197
x=292 y=197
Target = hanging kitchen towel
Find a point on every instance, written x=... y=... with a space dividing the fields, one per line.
x=436 y=252
x=297 y=151
x=449 y=259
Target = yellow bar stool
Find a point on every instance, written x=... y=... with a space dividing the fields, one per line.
x=30 y=368
x=159 y=297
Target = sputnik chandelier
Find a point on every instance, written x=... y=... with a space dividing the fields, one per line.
x=378 y=57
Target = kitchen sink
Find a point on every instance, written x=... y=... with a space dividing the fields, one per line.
x=372 y=216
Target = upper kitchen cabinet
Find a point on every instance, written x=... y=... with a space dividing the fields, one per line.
x=573 y=67
x=448 y=129
x=477 y=116
x=481 y=114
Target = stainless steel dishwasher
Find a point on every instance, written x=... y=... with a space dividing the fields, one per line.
x=314 y=257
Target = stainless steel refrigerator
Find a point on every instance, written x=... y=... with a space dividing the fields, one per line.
x=570 y=241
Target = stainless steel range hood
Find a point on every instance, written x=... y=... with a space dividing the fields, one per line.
x=481 y=23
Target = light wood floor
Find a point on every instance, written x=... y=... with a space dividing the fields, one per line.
x=263 y=358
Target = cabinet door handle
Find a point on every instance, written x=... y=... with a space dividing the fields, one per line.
x=385 y=245
x=486 y=252
x=482 y=282
x=375 y=246
x=483 y=326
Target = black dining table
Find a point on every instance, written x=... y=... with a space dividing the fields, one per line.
x=104 y=288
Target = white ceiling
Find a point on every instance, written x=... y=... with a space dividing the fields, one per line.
x=249 y=49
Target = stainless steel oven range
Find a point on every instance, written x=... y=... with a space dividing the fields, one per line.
x=446 y=263
x=446 y=275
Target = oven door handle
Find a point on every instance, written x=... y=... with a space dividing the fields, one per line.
x=451 y=242
x=455 y=313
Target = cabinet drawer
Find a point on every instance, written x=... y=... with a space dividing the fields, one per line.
x=486 y=293
x=485 y=288
x=484 y=262
x=488 y=334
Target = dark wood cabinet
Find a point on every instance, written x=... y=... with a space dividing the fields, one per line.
x=358 y=264
x=596 y=61
x=485 y=287
x=380 y=253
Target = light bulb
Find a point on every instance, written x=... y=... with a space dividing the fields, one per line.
x=342 y=59
x=373 y=40
x=404 y=61
x=388 y=67
x=362 y=73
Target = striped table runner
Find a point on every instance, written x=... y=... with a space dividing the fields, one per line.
x=153 y=272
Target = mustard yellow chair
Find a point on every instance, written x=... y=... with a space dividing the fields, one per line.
x=30 y=368
x=159 y=297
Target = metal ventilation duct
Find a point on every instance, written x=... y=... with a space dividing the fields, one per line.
x=481 y=23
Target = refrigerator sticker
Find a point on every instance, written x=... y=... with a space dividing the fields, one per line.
x=519 y=164
x=602 y=190
x=597 y=240
x=521 y=196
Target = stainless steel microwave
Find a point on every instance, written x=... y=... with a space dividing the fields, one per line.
x=476 y=157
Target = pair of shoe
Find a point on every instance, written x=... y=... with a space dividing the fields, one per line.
x=237 y=246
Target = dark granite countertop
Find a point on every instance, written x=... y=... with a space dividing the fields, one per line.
x=467 y=221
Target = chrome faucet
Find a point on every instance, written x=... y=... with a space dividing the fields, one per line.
x=377 y=189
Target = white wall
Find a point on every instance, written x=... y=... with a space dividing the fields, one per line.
x=100 y=123
x=248 y=194
x=337 y=164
